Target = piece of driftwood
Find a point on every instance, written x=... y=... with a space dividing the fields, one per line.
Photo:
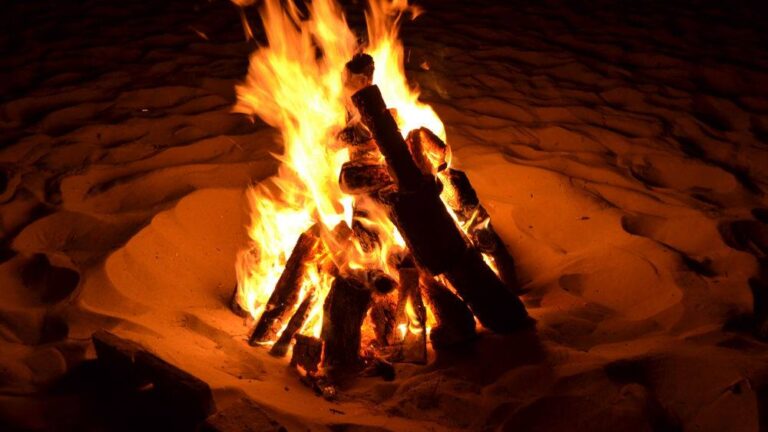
x=186 y=395
x=155 y=388
x=344 y=310
x=116 y=358
x=280 y=348
x=307 y=353
x=363 y=176
x=244 y=415
x=286 y=291
x=455 y=322
x=429 y=152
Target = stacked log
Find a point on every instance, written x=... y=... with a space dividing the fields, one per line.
x=428 y=229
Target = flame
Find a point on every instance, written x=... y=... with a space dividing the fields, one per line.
x=294 y=84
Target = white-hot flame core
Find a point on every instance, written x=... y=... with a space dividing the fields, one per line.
x=294 y=84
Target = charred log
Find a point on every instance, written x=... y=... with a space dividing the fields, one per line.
x=497 y=308
x=280 y=348
x=429 y=152
x=358 y=72
x=307 y=353
x=463 y=200
x=344 y=310
x=363 y=176
x=286 y=291
x=455 y=322
x=379 y=120
x=383 y=314
x=489 y=242
x=428 y=229
x=414 y=343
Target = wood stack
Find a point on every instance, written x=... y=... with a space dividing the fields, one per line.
x=443 y=268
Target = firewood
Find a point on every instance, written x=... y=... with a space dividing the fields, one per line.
x=280 y=348
x=363 y=176
x=286 y=291
x=383 y=317
x=497 y=308
x=344 y=310
x=379 y=120
x=116 y=358
x=455 y=322
x=463 y=200
x=307 y=353
x=429 y=152
x=458 y=191
x=358 y=72
x=489 y=242
x=429 y=231
x=413 y=347
x=367 y=238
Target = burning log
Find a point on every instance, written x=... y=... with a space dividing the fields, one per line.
x=383 y=317
x=307 y=353
x=358 y=142
x=286 y=290
x=429 y=231
x=344 y=310
x=455 y=323
x=294 y=325
x=368 y=238
x=363 y=176
x=429 y=152
x=463 y=200
x=380 y=122
x=358 y=72
x=412 y=315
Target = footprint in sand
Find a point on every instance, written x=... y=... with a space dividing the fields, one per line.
x=47 y=283
x=746 y=235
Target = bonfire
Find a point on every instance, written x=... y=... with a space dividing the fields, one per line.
x=368 y=242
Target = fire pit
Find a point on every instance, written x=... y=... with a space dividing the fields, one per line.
x=367 y=242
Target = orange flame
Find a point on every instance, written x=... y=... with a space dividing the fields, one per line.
x=294 y=84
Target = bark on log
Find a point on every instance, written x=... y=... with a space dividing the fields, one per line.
x=358 y=72
x=307 y=353
x=379 y=120
x=428 y=229
x=463 y=200
x=429 y=152
x=344 y=310
x=383 y=317
x=363 y=177
x=286 y=291
x=497 y=307
x=414 y=343
x=280 y=348
x=455 y=322
x=489 y=242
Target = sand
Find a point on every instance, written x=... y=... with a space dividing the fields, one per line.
x=621 y=152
